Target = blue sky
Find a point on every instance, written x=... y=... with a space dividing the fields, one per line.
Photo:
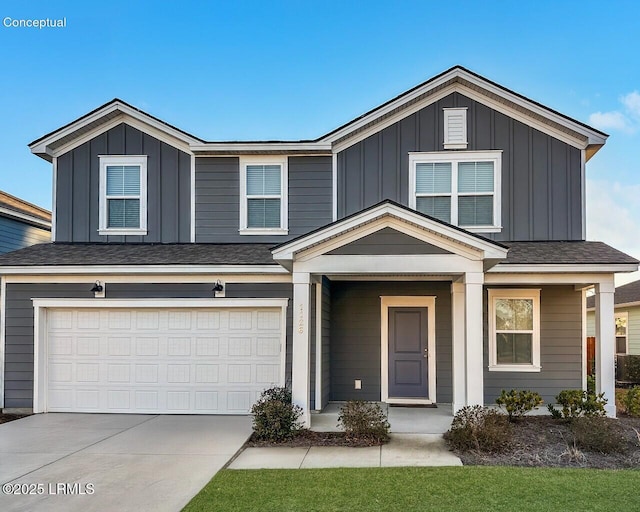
x=280 y=70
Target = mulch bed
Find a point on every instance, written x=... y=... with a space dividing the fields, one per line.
x=306 y=438
x=5 y=418
x=540 y=441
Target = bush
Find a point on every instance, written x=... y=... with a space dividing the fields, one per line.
x=555 y=413
x=576 y=402
x=364 y=421
x=481 y=429
x=631 y=401
x=518 y=403
x=275 y=418
x=628 y=368
x=591 y=384
x=598 y=434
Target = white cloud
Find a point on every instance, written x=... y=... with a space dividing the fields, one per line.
x=613 y=217
x=611 y=121
x=626 y=120
x=631 y=103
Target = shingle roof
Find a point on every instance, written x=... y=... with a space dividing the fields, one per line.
x=624 y=294
x=87 y=254
x=567 y=253
x=69 y=254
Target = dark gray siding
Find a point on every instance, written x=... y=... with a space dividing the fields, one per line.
x=312 y=349
x=388 y=241
x=168 y=188
x=355 y=336
x=15 y=234
x=560 y=348
x=218 y=198
x=541 y=176
x=326 y=341
x=19 y=320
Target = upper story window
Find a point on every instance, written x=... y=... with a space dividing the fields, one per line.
x=461 y=188
x=455 y=128
x=514 y=330
x=263 y=190
x=123 y=195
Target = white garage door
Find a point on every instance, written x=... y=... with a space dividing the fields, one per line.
x=161 y=360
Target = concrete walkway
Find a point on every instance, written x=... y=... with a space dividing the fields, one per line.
x=133 y=462
x=402 y=450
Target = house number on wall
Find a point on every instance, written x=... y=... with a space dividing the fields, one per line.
x=301 y=320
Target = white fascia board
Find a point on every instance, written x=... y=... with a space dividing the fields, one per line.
x=8 y=212
x=557 y=268
x=445 y=264
x=158 y=303
x=288 y=251
x=147 y=278
x=570 y=278
x=257 y=147
x=152 y=126
x=147 y=269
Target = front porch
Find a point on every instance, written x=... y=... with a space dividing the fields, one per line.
x=403 y=420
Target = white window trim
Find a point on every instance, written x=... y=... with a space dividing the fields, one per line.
x=139 y=160
x=281 y=160
x=623 y=314
x=448 y=111
x=455 y=157
x=510 y=293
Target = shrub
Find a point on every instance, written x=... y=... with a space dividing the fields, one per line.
x=275 y=418
x=481 y=429
x=364 y=421
x=518 y=403
x=555 y=413
x=576 y=402
x=591 y=384
x=598 y=434
x=631 y=401
x=628 y=368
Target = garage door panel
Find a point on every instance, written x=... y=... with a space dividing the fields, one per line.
x=173 y=361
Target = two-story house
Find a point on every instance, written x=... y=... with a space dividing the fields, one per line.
x=430 y=251
x=22 y=224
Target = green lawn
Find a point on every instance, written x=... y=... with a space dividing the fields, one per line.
x=407 y=489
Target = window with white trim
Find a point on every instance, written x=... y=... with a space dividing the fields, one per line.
x=514 y=330
x=123 y=195
x=622 y=321
x=455 y=128
x=461 y=188
x=263 y=201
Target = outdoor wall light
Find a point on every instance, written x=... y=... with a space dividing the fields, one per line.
x=218 y=289
x=98 y=290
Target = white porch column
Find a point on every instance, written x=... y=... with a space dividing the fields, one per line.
x=605 y=344
x=473 y=337
x=300 y=388
x=458 y=346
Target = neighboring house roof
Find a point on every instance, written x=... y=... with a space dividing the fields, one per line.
x=16 y=208
x=455 y=79
x=144 y=254
x=626 y=295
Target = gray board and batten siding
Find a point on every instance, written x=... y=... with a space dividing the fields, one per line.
x=560 y=348
x=16 y=234
x=19 y=320
x=218 y=199
x=541 y=176
x=168 y=188
x=355 y=336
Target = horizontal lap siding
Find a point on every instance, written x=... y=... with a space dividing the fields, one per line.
x=560 y=348
x=168 y=188
x=541 y=176
x=355 y=336
x=15 y=235
x=19 y=320
x=218 y=199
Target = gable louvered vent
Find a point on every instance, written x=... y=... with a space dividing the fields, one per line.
x=455 y=128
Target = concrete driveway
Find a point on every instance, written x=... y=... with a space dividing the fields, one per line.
x=117 y=461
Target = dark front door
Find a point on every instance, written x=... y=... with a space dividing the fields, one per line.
x=408 y=353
